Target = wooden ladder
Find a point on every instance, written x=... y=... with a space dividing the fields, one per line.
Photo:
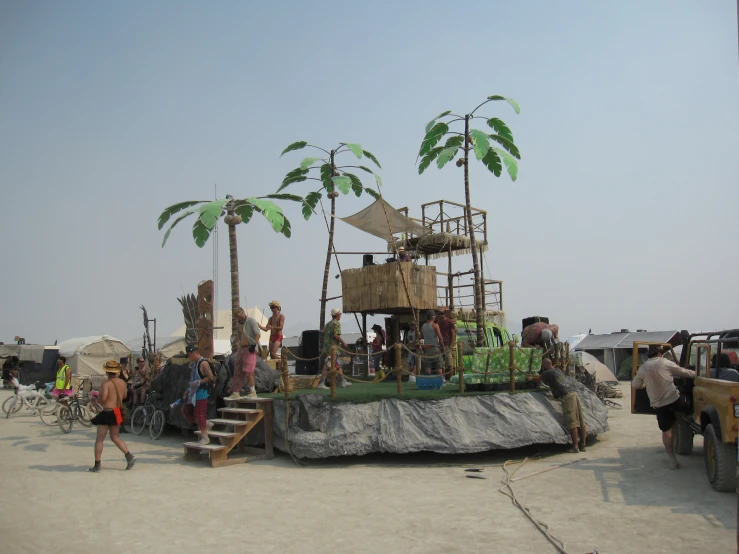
x=241 y=421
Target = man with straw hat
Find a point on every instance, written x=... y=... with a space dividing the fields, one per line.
x=332 y=337
x=245 y=365
x=275 y=325
x=403 y=255
x=112 y=395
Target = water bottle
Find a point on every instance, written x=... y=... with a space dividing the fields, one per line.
x=176 y=403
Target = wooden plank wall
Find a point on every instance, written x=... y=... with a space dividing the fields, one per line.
x=378 y=288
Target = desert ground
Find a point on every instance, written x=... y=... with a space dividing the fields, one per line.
x=618 y=497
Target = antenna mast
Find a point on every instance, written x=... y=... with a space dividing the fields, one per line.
x=215 y=260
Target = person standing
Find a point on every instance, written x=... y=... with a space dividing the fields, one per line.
x=565 y=389
x=448 y=335
x=411 y=340
x=275 y=325
x=246 y=357
x=332 y=337
x=112 y=394
x=403 y=255
x=432 y=341
x=140 y=381
x=657 y=376
x=63 y=383
x=378 y=346
x=196 y=396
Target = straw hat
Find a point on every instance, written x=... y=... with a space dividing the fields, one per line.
x=111 y=366
x=335 y=312
x=401 y=249
x=275 y=304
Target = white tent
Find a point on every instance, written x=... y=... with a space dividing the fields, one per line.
x=594 y=367
x=176 y=346
x=223 y=320
x=87 y=355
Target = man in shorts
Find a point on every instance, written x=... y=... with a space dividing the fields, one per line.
x=565 y=389
x=657 y=375
x=332 y=337
x=246 y=358
x=432 y=345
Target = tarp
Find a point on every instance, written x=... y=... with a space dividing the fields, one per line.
x=373 y=220
x=223 y=320
x=25 y=352
x=87 y=355
x=594 y=367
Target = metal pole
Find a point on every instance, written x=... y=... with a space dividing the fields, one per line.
x=333 y=371
x=398 y=374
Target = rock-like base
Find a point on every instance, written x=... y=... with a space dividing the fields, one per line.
x=320 y=429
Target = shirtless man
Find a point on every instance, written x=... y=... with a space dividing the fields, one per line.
x=275 y=325
x=112 y=394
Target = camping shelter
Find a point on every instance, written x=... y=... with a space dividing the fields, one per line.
x=87 y=355
x=614 y=348
x=176 y=347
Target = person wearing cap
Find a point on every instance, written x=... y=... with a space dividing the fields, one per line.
x=63 y=383
x=112 y=394
x=275 y=325
x=332 y=337
x=565 y=389
x=432 y=344
x=196 y=396
x=403 y=255
x=246 y=357
x=657 y=375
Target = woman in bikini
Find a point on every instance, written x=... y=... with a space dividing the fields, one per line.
x=112 y=395
x=275 y=325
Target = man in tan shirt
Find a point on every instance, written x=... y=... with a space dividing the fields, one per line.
x=657 y=376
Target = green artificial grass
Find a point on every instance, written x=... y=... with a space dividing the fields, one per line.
x=360 y=393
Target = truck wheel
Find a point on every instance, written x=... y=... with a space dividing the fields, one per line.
x=682 y=438
x=720 y=459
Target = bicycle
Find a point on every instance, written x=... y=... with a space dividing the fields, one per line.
x=148 y=414
x=71 y=411
x=27 y=396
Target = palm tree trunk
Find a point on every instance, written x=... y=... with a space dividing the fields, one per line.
x=327 y=268
x=234 y=259
x=479 y=317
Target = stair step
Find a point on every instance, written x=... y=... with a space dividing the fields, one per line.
x=219 y=421
x=204 y=447
x=219 y=434
x=239 y=411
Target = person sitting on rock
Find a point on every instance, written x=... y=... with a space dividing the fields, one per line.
x=565 y=389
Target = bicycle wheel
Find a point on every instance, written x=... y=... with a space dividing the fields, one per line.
x=9 y=406
x=94 y=408
x=138 y=420
x=83 y=415
x=36 y=403
x=64 y=419
x=49 y=413
x=157 y=425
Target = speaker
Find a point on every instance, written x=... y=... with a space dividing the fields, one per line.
x=368 y=259
x=309 y=348
x=531 y=320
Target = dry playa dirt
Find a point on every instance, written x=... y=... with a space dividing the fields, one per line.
x=620 y=498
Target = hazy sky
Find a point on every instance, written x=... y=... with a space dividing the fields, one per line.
x=625 y=213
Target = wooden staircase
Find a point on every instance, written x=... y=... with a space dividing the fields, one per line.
x=229 y=430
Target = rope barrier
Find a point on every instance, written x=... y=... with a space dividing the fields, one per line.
x=296 y=357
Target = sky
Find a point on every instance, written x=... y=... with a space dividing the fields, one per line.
x=624 y=214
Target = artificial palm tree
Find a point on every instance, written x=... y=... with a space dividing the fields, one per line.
x=490 y=156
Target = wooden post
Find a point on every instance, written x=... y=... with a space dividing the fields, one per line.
x=418 y=360
x=285 y=375
x=460 y=367
x=398 y=366
x=487 y=366
x=333 y=370
x=365 y=363
x=512 y=363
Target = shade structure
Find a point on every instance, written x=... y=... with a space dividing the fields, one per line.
x=383 y=221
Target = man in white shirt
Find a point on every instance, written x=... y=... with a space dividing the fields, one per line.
x=657 y=376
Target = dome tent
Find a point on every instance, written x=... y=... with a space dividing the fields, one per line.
x=87 y=355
